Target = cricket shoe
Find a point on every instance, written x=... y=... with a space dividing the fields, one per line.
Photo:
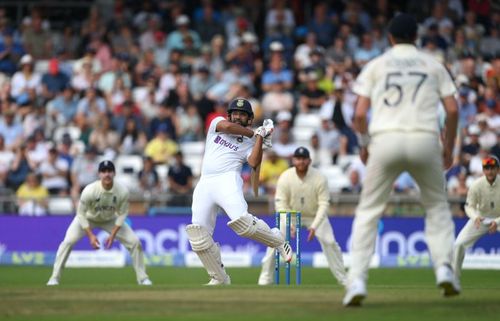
x=285 y=250
x=356 y=293
x=214 y=281
x=52 y=282
x=446 y=280
x=146 y=282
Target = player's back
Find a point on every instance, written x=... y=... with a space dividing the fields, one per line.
x=405 y=87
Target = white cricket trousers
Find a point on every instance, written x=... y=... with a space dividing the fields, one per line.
x=326 y=238
x=466 y=239
x=224 y=190
x=389 y=155
x=125 y=235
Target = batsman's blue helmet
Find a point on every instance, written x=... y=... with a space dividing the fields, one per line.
x=240 y=104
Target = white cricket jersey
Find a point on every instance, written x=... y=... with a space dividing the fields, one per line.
x=100 y=205
x=225 y=152
x=405 y=87
x=483 y=199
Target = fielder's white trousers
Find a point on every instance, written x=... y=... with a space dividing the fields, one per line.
x=389 y=155
x=331 y=250
x=125 y=235
x=224 y=190
x=466 y=239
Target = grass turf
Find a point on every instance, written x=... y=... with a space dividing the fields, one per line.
x=111 y=294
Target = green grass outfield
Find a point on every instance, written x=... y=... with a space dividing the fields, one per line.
x=111 y=294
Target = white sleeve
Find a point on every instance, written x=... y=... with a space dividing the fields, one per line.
x=83 y=206
x=123 y=209
x=446 y=85
x=213 y=124
x=364 y=83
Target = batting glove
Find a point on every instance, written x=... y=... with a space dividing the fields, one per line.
x=264 y=132
x=267 y=143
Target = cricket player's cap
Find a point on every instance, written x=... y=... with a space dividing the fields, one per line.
x=491 y=161
x=403 y=26
x=106 y=165
x=240 y=104
x=301 y=152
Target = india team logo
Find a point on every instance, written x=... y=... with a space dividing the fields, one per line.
x=240 y=103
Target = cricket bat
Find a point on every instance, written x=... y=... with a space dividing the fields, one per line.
x=254 y=180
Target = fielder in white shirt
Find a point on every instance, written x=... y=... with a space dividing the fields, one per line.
x=103 y=204
x=305 y=189
x=404 y=87
x=229 y=144
x=482 y=207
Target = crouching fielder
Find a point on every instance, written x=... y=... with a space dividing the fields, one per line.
x=229 y=144
x=483 y=208
x=103 y=204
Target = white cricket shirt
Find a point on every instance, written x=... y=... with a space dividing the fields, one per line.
x=405 y=87
x=225 y=152
x=483 y=199
x=100 y=205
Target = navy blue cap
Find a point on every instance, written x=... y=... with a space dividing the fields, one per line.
x=106 y=165
x=301 y=152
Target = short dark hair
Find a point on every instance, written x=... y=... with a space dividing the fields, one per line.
x=403 y=28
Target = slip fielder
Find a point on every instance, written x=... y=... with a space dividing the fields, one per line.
x=482 y=207
x=229 y=144
x=103 y=204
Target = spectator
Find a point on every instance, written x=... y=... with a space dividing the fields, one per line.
x=133 y=140
x=61 y=110
x=161 y=148
x=311 y=97
x=322 y=24
x=32 y=197
x=6 y=158
x=54 y=81
x=331 y=140
x=55 y=173
x=25 y=82
x=19 y=168
x=180 y=181
x=271 y=168
x=10 y=53
x=11 y=129
x=149 y=180
x=84 y=171
x=277 y=72
x=190 y=125
x=37 y=39
x=174 y=39
x=277 y=99
x=405 y=184
x=105 y=138
x=284 y=147
x=208 y=25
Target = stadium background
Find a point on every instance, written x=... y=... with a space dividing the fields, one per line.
x=129 y=81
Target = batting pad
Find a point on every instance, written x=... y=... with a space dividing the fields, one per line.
x=207 y=250
x=256 y=229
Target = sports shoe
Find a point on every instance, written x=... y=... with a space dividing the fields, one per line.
x=146 y=282
x=214 y=281
x=356 y=292
x=446 y=280
x=285 y=249
x=52 y=282
x=285 y=252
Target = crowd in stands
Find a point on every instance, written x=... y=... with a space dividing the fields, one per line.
x=145 y=77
